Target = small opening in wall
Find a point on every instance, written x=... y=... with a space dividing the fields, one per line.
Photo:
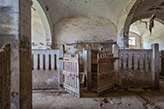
x=38 y=62
x=49 y=62
x=132 y=42
x=55 y=63
x=44 y=58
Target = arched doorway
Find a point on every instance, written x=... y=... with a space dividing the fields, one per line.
x=141 y=10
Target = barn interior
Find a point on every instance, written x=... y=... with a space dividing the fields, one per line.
x=81 y=54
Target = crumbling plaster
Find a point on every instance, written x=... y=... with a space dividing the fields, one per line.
x=146 y=38
x=120 y=13
x=114 y=10
x=15 y=28
x=44 y=36
x=143 y=9
x=157 y=36
x=84 y=29
x=38 y=32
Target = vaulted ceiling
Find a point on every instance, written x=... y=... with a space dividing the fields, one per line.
x=59 y=9
x=110 y=9
x=145 y=9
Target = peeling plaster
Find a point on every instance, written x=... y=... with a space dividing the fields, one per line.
x=84 y=29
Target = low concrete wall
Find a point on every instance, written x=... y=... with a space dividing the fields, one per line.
x=45 y=79
x=45 y=69
x=137 y=67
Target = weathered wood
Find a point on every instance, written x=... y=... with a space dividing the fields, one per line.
x=105 y=72
x=5 y=77
x=71 y=74
x=162 y=62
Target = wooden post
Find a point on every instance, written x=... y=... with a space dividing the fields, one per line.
x=155 y=65
x=1 y=71
x=162 y=62
x=60 y=63
x=5 y=77
x=115 y=51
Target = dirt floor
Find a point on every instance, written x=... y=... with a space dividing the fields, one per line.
x=115 y=99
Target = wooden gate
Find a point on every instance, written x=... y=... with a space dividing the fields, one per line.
x=71 y=74
x=105 y=72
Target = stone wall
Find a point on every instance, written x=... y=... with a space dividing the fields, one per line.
x=15 y=28
x=5 y=85
x=9 y=29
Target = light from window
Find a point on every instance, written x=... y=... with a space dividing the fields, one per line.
x=132 y=41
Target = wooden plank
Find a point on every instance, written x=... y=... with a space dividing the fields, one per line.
x=105 y=72
x=71 y=74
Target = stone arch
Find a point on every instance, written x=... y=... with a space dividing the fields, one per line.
x=137 y=10
x=45 y=21
x=121 y=23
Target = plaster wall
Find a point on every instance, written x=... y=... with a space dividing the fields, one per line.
x=38 y=31
x=45 y=79
x=155 y=37
x=88 y=29
x=44 y=36
x=9 y=29
x=137 y=40
x=15 y=28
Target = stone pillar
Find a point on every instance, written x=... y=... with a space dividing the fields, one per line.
x=155 y=65
x=15 y=28
x=87 y=66
x=25 y=54
x=126 y=39
x=60 y=69
x=116 y=68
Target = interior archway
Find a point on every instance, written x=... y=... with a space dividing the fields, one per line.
x=148 y=38
x=41 y=31
x=141 y=10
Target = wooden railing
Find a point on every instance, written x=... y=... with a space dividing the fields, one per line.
x=5 y=77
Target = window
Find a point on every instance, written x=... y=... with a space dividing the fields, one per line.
x=132 y=42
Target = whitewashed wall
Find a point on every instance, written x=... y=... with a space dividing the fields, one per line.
x=38 y=31
x=157 y=36
x=83 y=29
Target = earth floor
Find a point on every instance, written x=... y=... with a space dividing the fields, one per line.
x=115 y=99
